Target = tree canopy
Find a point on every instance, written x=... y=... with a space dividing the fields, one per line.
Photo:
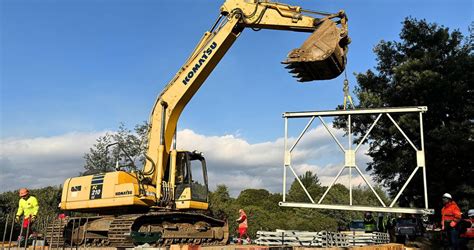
x=261 y=206
x=124 y=147
x=429 y=66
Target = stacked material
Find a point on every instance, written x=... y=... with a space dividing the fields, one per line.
x=364 y=239
x=288 y=238
x=319 y=239
x=332 y=239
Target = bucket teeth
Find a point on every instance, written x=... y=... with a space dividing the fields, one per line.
x=302 y=76
x=289 y=66
x=304 y=79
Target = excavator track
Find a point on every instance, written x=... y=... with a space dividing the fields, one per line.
x=119 y=230
x=166 y=228
x=55 y=233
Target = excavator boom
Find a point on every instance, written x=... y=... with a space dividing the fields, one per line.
x=322 y=56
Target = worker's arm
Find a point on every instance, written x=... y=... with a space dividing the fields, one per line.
x=457 y=213
x=457 y=216
x=20 y=209
x=241 y=218
x=34 y=203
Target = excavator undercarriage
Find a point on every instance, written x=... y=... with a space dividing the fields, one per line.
x=160 y=228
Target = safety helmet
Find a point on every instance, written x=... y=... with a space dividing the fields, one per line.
x=446 y=195
x=23 y=192
x=470 y=213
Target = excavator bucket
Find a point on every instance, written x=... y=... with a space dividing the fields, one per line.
x=322 y=56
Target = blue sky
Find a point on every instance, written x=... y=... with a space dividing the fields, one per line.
x=82 y=67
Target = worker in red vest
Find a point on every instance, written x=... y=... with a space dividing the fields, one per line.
x=243 y=226
x=450 y=217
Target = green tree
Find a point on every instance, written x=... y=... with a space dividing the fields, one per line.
x=256 y=197
x=430 y=66
x=125 y=147
x=220 y=202
x=311 y=183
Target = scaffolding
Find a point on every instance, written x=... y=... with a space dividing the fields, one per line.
x=350 y=159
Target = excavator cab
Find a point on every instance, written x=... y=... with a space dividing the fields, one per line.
x=323 y=55
x=191 y=191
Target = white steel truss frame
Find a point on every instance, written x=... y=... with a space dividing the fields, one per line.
x=350 y=159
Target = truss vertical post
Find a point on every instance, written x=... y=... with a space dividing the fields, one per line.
x=350 y=186
x=286 y=160
x=350 y=148
x=422 y=138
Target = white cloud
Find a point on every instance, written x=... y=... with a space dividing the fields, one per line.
x=231 y=160
x=42 y=161
x=238 y=164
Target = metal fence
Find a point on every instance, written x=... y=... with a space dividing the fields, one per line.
x=320 y=239
x=14 y=235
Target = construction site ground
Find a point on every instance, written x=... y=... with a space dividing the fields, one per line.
x=391 y=246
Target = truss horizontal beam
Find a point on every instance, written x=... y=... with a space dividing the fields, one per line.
x=398 y=210
x=305 y=114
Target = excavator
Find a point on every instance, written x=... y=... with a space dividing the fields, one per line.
x=166 y=202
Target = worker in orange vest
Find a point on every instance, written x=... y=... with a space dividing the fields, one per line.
x=243 y=226
x=450 y=216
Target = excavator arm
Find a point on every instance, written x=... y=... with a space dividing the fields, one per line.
x=322 y=56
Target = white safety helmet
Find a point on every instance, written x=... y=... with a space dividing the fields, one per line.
x=470 y=213
x=446 y=195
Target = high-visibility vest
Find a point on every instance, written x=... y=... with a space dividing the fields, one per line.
x=450 y=212
x=370 y=225
x=28 y=207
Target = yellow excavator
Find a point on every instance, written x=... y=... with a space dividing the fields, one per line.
x=167 y=201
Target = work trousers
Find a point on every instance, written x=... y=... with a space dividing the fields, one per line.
x=453 y=236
